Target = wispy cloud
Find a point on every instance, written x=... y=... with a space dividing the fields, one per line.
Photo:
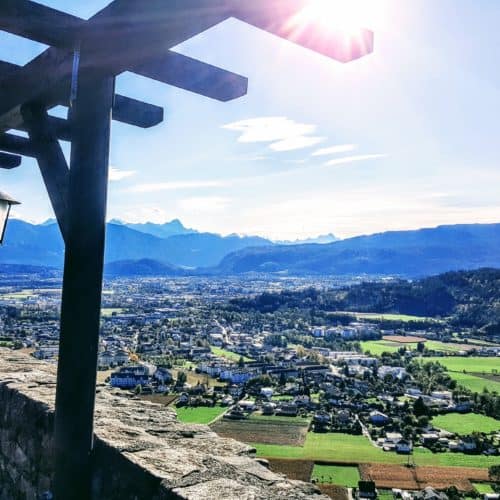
x=283 y=133
x=352 y=159
x=176 y=185
x=293 y=143
x=115 y=174
x=341 y=148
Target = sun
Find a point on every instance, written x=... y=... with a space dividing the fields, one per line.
x=348 y=16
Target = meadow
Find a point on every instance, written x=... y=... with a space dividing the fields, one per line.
x=466 y=424
x=390 y=317
x=377 y=347
x=471 y=364
x=200 y=414
x=469 y=371
x=341 y=475
x=231 y=356
x=340 y=447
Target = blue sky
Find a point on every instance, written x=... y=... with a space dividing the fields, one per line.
x=406 y=137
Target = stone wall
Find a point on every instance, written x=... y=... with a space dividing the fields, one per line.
x=141 y=450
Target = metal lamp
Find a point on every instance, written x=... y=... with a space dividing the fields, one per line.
x=6 y=202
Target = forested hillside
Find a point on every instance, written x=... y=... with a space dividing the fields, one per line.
x=469 y=298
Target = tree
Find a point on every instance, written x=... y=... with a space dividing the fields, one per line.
x=419 y=408
x=420 y=347
x=494 y=473
x=181 y=379
x=241 y=362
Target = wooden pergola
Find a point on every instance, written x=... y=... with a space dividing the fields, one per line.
x=78 y=70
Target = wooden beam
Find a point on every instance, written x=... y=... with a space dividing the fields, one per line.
x=195 y=76
x=82 y=288
x=51 y=160
x=125 y=109
x=16 y=144
x=8 y=161
x=113 y=44
x=38 y=22
x=56 y=28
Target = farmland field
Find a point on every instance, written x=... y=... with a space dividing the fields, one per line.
x=340 y=447
x=341 y=475
x=109 y=311
x=478 y=371
x=231 y=356
x=466 y=424
x=293 y=469
x=389 y=317
x=483 y=488
x=471 y=364
x=267 y=430
x=403 y=339
x=398 y=476
x=199 y=415
x=377 y=347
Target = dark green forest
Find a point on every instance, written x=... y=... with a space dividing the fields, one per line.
x=465 y=298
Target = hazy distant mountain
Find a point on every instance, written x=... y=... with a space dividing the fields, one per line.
x=321 y=240
x=172 y=228
x=42 y=245
x=410 y=253
x=142 y=267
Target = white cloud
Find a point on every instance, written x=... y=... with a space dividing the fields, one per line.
x=115 y=174
x=351 y=159
x=341 y=148
x=283 y=133
x=293 y=143
x=204 y=204
x=176 y=185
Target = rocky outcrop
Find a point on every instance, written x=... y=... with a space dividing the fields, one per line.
x=141 y=450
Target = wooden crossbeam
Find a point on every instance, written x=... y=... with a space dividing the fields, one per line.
x=38 y=22
x=8 y=161
x=47 y=25
x=50 y=158
x=193 y=75
x=16 y=144
x=111 y=44
x=125 y=109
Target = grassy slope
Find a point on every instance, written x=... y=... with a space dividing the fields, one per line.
x=357 y=449
x=466 y=424
x=347 y=476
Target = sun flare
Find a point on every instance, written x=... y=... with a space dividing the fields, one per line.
x=344 y=15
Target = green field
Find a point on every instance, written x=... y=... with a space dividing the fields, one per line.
x=199 y=415
x=106 y=312
x=466 y=424
x=483 y=488
x=341 y=475
x=473 y=367
x=231 y=356
x=389 y=317
x=357 y=449
x=377 y=347
x=471 y=364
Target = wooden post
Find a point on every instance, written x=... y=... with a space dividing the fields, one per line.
x=82 y=287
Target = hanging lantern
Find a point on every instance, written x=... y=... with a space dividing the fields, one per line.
x=6 y=202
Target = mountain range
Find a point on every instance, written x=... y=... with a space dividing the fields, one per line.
x=410 y=253
x=42 y=245
x=136 y=251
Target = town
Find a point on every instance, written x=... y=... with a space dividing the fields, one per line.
x=352 y=397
